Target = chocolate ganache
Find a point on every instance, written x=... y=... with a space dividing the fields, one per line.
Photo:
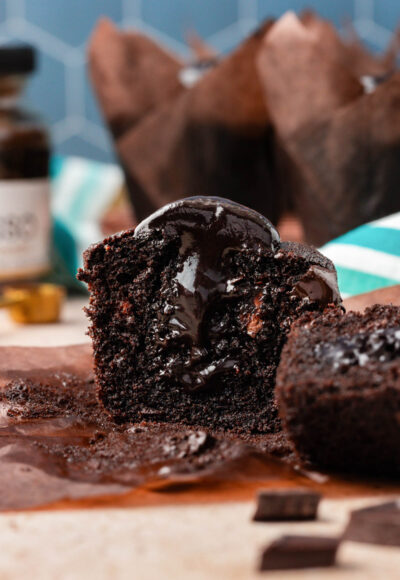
x=319 y=284
x=209 y=228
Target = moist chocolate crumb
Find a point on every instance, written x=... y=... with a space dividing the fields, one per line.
x=55 y=423
x=57 y=442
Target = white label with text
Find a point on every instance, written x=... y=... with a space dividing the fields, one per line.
x=25 y=226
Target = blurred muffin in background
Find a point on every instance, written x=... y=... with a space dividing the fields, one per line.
x=296 y=123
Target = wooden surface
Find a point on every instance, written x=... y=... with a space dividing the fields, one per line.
x=216 y=541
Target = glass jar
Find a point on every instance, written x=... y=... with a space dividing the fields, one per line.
x=25 y=222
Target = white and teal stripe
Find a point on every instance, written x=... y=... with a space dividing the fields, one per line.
x=368 y=257
x=82 y=190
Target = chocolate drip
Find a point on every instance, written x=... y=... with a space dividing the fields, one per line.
x=209 y=229
x=319 y=285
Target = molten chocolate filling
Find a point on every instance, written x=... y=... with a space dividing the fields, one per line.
x=209 y=230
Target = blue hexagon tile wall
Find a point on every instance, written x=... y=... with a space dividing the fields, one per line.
x=60 y=28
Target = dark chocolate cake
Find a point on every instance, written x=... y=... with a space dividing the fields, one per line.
x=190 y=311
x=338 y=389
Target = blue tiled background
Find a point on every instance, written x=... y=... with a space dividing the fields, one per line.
x=60 y=28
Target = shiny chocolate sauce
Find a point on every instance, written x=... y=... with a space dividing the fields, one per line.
x=319 y=285
x=209 y=229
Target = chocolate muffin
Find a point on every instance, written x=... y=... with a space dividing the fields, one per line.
x=190 y=311
x=175 y=137
x=338 y=389
x=346 y=145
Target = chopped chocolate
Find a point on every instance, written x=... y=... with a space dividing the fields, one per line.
x=338 y=390
x=294 y=552
x=286 y=504
x=190 y=311
x=378 y=524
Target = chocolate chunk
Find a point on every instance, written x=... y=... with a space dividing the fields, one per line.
x=291 y=552
x=379 y=524
x=318 y=284
x=188 y=444
x=286 y=504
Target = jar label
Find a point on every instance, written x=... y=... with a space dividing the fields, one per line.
x=25 y=225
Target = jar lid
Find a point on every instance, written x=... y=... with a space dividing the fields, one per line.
x=17 y=59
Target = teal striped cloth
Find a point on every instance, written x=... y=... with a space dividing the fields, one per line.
x=82 y=191
x=368 y=257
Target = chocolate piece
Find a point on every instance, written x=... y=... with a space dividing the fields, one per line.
x=294 y=552
x=338 y=390
x=347 y=132
x=318 y=284
x=189 y=314
x=286 y=504
x=379 y=524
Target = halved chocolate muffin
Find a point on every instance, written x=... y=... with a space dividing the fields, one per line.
x=190 y=311
x=338 y=389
